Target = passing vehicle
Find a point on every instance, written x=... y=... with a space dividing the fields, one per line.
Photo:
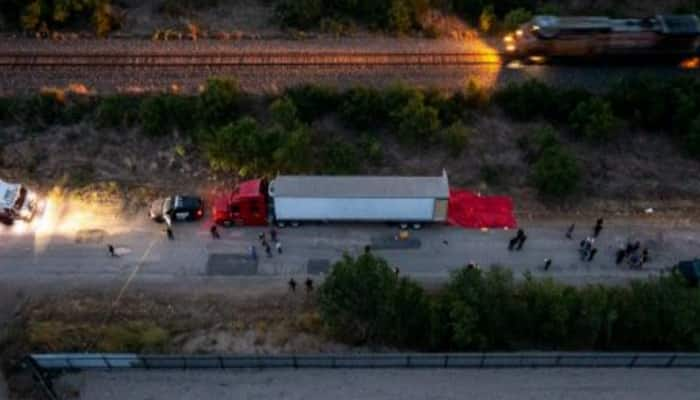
x=547 y=36
x=177 y=208
x=18 y=203
x=292 y=200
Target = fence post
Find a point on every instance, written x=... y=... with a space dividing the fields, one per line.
x=44 y=381
x=671 y=360
x=634 y=361
x=106 y=362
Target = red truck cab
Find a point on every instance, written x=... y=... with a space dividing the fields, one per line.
x=245 y=205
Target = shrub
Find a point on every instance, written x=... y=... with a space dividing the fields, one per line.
x=417 y=123
x=514 y=18
x=340 y=158
x=362 y=300
x=116 y=111
x=6 y=109
x=303 y=14
x=556 y=173
x=371 y=149
x=236 y=147
x=313 y=101
x=294 y=153
x=156 y=116
x=284 y=113
x=526 y=101
x=399 y=17
x=40 y=14
x=487 y=19
x=220 y=102
x=456 y=137
x=594 y=120
x=362 y=108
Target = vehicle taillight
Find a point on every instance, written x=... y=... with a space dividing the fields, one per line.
x=200 y=212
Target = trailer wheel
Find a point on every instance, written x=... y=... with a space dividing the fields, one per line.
x=403 y=225
x=416 y=226
x=281 y=224
x=295 y=224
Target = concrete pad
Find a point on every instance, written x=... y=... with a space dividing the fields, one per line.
x=231 y=264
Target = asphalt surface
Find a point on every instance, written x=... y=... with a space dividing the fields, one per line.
x=501 y=384
x=148 y=257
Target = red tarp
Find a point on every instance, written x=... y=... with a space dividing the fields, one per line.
x=469 y=210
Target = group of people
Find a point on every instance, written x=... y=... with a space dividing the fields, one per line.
x=266 y=246
x=630 y=251
x=309 y=283
x=518 y=241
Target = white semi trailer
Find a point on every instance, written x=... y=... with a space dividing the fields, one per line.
x=406 y=200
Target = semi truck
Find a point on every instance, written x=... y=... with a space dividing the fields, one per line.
x=547 y=36
x=17 y=203
x=409 y=201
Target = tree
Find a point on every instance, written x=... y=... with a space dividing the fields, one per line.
x=417 y=123
x=594 y=120
x=556 y=173
x=456 y=137
x=237 y=147
x=302 y=14
x=284 y=112
x=516 y=17
x=363 y=108
x=220 y=102
x=363 y=301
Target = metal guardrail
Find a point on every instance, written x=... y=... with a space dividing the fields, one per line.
x=72 y=361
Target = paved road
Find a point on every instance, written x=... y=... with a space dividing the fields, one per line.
x=508 y=384
x=26 y=259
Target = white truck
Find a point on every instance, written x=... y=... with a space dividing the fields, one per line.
x=17 y=203
x=405 y=200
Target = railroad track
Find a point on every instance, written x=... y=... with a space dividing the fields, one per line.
x=180 y=59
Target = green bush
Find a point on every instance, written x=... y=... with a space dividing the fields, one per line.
x=42 y=14
x=400 y=16
x=362 y=108
x=487 y=19
x=220 y=102
x=456 y=137
x=238 y=147
x=284 y=113
x=556 y=173
x=417 y=123
x=160 y=114
x=340 y=158
x=294 y=153
x=514 y=18
x=362 y=300
x=594 y=120
x=313 y=101
x=116 y=111
x=6 y=109
x=302 y=14
x=526 y=101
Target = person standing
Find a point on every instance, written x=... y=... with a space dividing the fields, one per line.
x=309 y=285
x=278 y=246
x=620 y=256
x=570 y=231
x=547 y=263
x=292 y=285
x=268 y=250
x=521 y=242
x=273 y=235
x=110 y=248
x=214 y=232
x=169 y=233
x=591 y=254
x=645 y=255
x=598 y=227
x=512 y=243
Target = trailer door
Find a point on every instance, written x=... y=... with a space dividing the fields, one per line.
x=440 y=211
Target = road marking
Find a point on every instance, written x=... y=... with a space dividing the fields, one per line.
x=134 y=271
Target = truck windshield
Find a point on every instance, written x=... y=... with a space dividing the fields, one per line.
x=21 y=197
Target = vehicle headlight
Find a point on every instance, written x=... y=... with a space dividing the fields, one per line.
x=25 y=213
x=519 y=32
